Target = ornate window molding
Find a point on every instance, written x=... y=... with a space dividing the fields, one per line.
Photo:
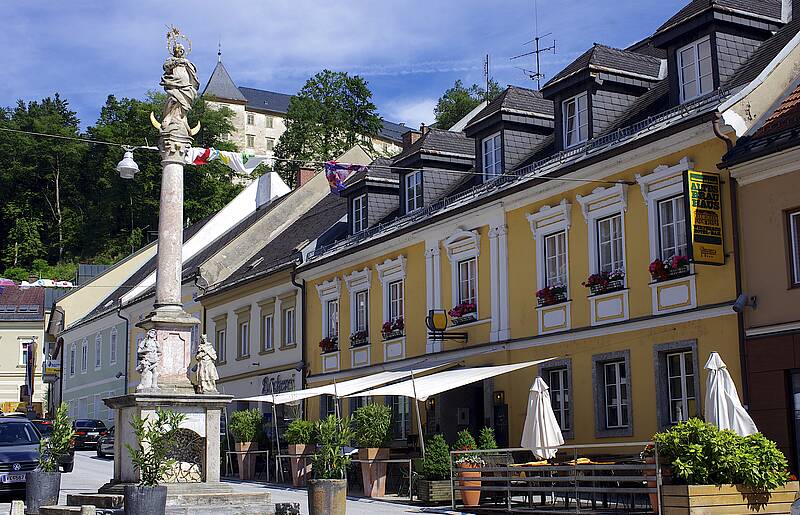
x=390 y=271
x=460 y=246
x=602 y=203
x=545 y=222
x=328 y=291
x=357 y=281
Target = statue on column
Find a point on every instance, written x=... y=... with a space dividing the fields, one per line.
x=205 y=376
x=149 y=353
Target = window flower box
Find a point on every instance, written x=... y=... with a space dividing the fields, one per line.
x=605 y=282
x=464 y=313
x=329 y=344
x=676 y=266
x=393 y=329
x=550 y=295
x=359 y=339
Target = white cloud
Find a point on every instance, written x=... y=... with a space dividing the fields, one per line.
x=412 y=112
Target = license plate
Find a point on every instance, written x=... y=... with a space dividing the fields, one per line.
x=12 y=478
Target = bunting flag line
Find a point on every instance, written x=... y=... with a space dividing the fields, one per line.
x=233 y=160
x=337 y=173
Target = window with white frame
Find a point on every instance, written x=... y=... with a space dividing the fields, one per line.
x=84 y=356
x=413 y=191
x=251 y=140
x=98 y=346
x=492 y=156
x=361 y=301
x=332 y=325
x=610 y=251
x=268 y=328
x=401 y=416
x=794 y=245
x=558 y=381
x=244 y=339
x=112 y=346
x=23 y=353
x=672 y=227
x=695 y=74
x=467 y=281
x=359 y=213
x=289 y=327
x=270 y=122
x=555 y=259
x=615 y=375
x=219 y=342
x=680 y=384
x=575 y=113
x=395 y=300
x=269 y=144
x=250 y=118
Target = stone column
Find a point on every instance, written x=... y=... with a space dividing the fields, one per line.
x=170 y=238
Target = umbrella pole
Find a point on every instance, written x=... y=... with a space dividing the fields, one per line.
x=419 y=417
x=277 y=440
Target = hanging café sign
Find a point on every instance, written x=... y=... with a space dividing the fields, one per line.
x=702 y=191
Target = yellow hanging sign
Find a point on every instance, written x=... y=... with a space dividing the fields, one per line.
x=703 y=191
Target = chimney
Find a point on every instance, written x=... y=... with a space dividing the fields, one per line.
x=304 y=174
x=787 y=10
x=410 y=137
x=423 y=129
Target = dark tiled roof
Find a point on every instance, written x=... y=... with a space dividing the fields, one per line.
x=378 y=169
x=221 y=86
x=266 y=100
x=517 y=99
x=21 y=304
x=440 y=141
x=393 y=131
x=763 y=55
x=605 y=57
x=760 y=8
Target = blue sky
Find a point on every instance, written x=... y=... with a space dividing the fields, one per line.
x=410 y=51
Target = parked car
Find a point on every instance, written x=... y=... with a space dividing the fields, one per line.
x=105 y=444
x=45 y=428
x=87 y=432
x=19 y=452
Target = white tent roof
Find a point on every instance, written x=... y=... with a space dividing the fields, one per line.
x=423 y=387
x=342 y=389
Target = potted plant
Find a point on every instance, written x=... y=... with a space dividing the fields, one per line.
x=372 y=425
x=605 y=282
x=464 y=313
x=737 y=474
x=156 y=438
x=676 y=266
x=359 y=338
x=329 y=344
x=466 y=463
x=245 y=426
x=327 y=492
x=434 y=486
x=43 y=485
x=300 y=436
x=393 y=329
x=550 y=295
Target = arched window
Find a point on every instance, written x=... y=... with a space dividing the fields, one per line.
x=112 y=350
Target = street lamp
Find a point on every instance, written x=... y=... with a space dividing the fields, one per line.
x=127 y=168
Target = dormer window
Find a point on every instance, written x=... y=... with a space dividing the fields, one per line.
x=492 y=156
x=359 y=213
x=695 y=77
x=575 y=112
x=413 y=191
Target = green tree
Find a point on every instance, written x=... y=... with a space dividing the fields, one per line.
x=331 y=114
x=459 y=100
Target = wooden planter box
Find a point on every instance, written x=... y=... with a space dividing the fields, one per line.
x=726 y=499
x=433 y=491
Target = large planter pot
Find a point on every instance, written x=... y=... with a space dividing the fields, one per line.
x=301 y=467
x=145 y=500
x=434 y=491
x=327 y=496
x=469 y=478
x=41 y=489
x=373 y=473
x=247 y=462
x=728 y=499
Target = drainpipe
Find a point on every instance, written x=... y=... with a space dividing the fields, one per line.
x=127 y=347
x=737 y=263
x=304 y=324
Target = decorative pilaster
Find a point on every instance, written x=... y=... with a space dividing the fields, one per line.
x=433 y=287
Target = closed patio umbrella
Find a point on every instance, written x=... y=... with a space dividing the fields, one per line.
x=723 y=408
x=541 y=432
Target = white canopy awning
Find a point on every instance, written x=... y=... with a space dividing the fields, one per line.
x=343 y=389
x=421 y=388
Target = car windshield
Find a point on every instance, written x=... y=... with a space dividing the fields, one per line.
x=17 y=433
x=44 y=429
x=90 y=424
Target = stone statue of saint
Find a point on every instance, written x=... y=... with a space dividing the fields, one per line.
x=205 y=376
x=149 y=352
x=180 y=83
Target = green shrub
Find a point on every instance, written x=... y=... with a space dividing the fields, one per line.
x=56 y=446
x=245 y=425
x=466 y=442
x=299 y=432
x=332 y=434
x=703 y=454
x=486 y=439
x=372 y=425
x=156 y=439
x=436 y=463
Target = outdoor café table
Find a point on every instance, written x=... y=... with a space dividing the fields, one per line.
x=522 y=475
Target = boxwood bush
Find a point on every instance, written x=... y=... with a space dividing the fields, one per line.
x=299 y=432
x=436 y=463
x=371 y=425
x=245 y=425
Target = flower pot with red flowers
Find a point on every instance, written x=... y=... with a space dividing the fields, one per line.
x=550 y=295
x=674 y=267
x=393 y=329
x=605 y=282
x=329 y=344
x=464 y=313
x=468 y=477
x=359 y=339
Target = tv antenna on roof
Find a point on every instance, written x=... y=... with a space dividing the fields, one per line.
x=537 y=74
